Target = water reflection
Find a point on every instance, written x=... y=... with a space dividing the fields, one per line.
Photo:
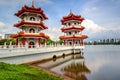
x=72 y=66
x=102 y=64
x=77 y=69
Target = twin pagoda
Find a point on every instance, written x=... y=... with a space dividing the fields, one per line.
x=32 y=23
x=72 y=30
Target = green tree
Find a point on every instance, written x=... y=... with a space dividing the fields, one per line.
x=7 y=41
x=49 y=41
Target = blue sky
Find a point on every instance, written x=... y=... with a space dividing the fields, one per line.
x=102 y=16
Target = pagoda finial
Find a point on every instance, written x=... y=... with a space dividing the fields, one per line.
x=33 y=3
x=70 y=11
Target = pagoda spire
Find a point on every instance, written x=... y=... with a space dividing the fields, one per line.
x=33 y=3
x=70 y=11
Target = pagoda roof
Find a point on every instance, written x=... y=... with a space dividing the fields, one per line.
x=31 y=23
x=31 y=9
x=72 y=28
x=22 y=34
x=73 y=37
x=71 y=16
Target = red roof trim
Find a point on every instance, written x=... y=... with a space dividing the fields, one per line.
x=71 y=28
x=73 y=36
x=31 y=23
x=71 y=16
x=31 y=9
x=22 y=34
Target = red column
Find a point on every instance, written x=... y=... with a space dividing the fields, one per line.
x=17 y=41
x=82 y=42
x=39 y=42
x=73 y=42
x=64 y=42
x=29 y=45
x=23 y=42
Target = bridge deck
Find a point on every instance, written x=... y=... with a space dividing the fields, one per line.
x=21 y=55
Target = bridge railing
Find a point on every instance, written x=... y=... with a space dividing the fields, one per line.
x=16 y=51
x=32 y=46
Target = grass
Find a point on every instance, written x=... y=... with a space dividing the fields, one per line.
x=24 y=72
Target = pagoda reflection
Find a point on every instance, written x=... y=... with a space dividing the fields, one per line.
x=77 y=68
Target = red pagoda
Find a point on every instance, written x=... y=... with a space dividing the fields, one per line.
x=72 y=30
x=31 y=25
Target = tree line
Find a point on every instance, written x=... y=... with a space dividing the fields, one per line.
x=13 y=41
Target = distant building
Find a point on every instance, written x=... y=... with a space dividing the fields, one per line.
x=107 y=41
x=103 y=40
x=7 y=36
x=119 y=40
x=116 y=40
x=0 y=37
x=112 y=40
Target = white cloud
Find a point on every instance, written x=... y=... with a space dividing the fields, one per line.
x=7 y=28
x=95 y=31
x=1 y=28
x=2 y=24
x=91 y=27
x=10 y=2
x=45 y=1
x=16 y=2
x=54 y=33
x=91 y=9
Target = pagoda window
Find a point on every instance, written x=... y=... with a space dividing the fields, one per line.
x=75 y=23
x=39 y=30
x=76 y=42
x=69 y=24
x=32 y=30
x=32 y=19
x=75 y=32
x=69 y=33
x=40 y=18
x=23 y=16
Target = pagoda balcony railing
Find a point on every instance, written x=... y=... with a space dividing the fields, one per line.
x=77 y=26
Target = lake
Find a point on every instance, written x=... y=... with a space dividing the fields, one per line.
x=100 y=62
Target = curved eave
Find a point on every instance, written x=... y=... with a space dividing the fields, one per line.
x=73 y=37
x=72 y=28
x=32 y=10
x=22 y=34
x=71 y=16
x=31 y=23
x=69 y=19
